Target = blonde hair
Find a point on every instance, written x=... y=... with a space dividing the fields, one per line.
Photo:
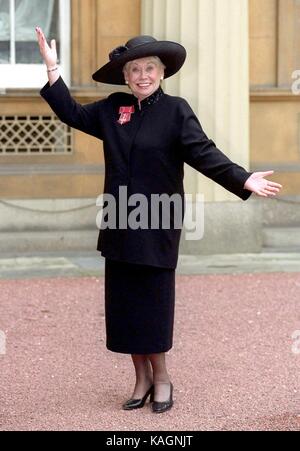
x=155 y=58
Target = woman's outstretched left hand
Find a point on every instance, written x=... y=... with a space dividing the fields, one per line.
x=262 y=187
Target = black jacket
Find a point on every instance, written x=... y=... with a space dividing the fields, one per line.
x=146 y=155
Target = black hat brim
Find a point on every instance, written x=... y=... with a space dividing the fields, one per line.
x=172 y=55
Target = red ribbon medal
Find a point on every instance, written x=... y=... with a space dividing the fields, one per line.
x=125 y=112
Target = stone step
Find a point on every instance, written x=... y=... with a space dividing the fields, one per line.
x=73 y=240
x=280 y=212
x=281 y=238
x=275 y=239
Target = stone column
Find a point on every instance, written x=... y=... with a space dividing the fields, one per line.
x=214 y=79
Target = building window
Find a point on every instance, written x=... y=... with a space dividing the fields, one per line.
x=288 y=59
x=21 y=65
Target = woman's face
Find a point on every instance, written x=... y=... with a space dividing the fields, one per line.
x=143 y=76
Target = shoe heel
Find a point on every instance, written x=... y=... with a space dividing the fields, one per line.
x=149 y=392
x=152 y=395
x=139 y=403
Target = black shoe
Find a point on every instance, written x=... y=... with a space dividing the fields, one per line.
x=139 y=403
x=160 y=407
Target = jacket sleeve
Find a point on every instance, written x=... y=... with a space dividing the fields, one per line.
x=201 y=153
x=86 y=118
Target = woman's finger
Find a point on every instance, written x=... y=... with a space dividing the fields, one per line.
x=261 y=194
x=265 y=174
x=270 y=191
x=275 y=185
x=269 y=182
x=39 y=32
x=40 y=35
x=272 y=188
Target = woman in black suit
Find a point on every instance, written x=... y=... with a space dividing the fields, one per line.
x=147 y=136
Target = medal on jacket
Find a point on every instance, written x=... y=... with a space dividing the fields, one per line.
x=125 y=114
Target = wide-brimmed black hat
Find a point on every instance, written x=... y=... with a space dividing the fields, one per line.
x=170 y=53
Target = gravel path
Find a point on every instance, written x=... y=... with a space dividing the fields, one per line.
x=232 y=365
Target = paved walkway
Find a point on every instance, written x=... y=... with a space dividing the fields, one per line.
x=92 y=264
x=234 y=365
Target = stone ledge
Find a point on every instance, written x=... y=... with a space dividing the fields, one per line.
x=81 y=264
x=229 y=227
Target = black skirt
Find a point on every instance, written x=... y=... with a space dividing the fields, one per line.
x=139 y=307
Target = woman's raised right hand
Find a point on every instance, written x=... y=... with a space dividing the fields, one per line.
x=49 y=54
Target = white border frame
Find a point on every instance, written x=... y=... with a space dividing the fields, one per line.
x=34 y=75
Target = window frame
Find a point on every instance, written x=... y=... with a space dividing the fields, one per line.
x=32 y=76
x=288 y=42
